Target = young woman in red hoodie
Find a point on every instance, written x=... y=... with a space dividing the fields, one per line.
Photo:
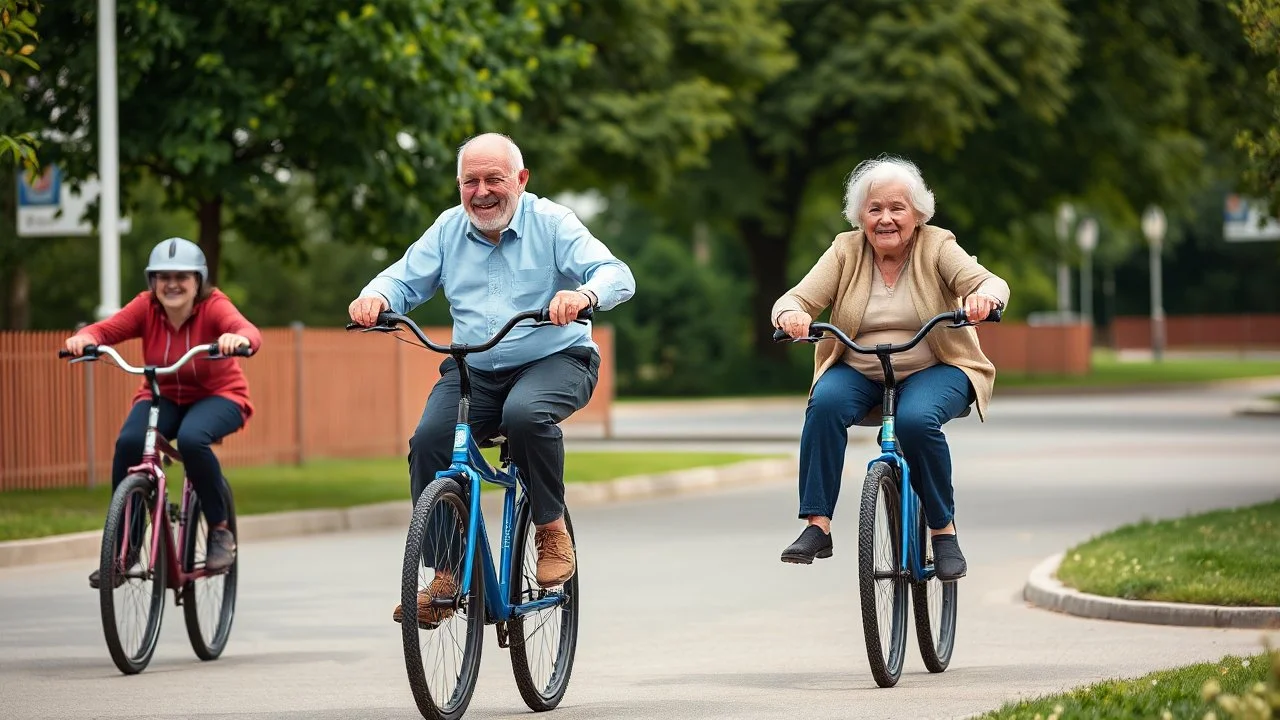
x=204 y=401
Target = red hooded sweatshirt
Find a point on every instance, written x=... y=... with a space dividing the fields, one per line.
x=162 y=345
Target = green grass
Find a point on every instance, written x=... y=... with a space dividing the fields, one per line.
x=1108 y=370
x=320 y=484
x=1224 y=688
x=1226 y=557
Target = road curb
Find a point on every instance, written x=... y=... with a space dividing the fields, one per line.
x=1045 y=591
x=87 y=545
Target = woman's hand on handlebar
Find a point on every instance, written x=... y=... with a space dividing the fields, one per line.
x=364 y=310
x=228 y=343
x=566 y=305
x=795 y=323
x=977 y=307
x=77 y=343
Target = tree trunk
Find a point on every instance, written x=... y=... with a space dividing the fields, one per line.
x=19 y=298
x=767 y=253
x=210 y=216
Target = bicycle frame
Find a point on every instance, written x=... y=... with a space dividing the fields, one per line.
x=469 y=466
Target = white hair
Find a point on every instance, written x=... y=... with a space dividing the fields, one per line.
x=513 y=152
x=887 y=169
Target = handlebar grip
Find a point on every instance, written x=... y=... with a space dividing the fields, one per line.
x=995 y=315
x=90 y=351
x=354 y=326
x=585 y=313
x=243 y=351
x=779 y=335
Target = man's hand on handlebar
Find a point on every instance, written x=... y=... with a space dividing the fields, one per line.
x=77 y=343
x=364 y=310
x=566 y=305
x=795 y=323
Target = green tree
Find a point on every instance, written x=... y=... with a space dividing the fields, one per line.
x=226 y=103
x=873 y=76
x=18 y=38
x=1261 y=22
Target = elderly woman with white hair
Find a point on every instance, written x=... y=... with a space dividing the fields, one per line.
x=883 y=281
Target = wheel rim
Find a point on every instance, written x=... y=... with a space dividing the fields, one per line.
x=889 y=615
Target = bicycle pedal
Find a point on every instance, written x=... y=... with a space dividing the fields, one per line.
x=504 y=635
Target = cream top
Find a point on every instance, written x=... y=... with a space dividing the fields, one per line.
x=891 y=318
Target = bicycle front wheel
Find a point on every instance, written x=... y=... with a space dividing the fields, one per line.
x=882 y=587
x=208 y=603
x=543 y=642
x=441 y=645
x=935 y=608
x=131 y=583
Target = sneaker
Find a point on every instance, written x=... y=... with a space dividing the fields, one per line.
x=812 y=543
x=442 y=586
x=556 y=561
x=948 y=561
x=95 y=580
x=220 y=551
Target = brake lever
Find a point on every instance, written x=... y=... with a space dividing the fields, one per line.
x=966 y=323
x=82 y=358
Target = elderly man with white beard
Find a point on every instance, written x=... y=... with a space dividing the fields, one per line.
x=500 y=252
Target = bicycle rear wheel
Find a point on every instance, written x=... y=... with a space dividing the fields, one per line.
x=543 y=642
x=131 y=583
x=882 y=587
x=935 y=608
x=441 y=655
x=208 y=603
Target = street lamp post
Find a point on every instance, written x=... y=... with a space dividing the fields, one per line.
x=1087 y=239
x=1066 y=216
x=1153 y=226
x=108 y=163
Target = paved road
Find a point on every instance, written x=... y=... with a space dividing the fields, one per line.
x=687 y=612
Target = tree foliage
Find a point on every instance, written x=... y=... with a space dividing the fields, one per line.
x=226 y=102
x=1261 y=22
x=18 y=40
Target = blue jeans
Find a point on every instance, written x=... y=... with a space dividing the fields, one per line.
x=194 y=427
x=843 y=396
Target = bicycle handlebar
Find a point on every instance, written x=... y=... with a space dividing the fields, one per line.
x=388 y=320
x=93 y=352
x=958 y=318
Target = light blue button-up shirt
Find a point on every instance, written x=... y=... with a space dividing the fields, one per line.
x=545 y=249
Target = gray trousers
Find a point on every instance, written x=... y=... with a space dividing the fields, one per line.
x=525 y=404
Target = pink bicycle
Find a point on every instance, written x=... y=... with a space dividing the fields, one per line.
x=140 y=554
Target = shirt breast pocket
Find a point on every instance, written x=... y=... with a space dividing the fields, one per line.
x=531 y=287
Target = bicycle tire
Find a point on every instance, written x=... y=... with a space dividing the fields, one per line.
x=440 y=493
x=936 y=636
x=140 y=490
x=880 y=491
x=210 y=646
x=541 y=694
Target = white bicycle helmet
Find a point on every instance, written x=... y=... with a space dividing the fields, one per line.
x=178 y=255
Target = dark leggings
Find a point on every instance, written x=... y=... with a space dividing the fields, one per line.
x=194 y=427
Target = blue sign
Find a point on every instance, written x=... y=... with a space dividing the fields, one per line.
x=44 y=191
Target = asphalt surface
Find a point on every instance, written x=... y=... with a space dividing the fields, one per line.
x=687 y=612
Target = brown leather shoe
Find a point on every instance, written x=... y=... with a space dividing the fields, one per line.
x=442 y=586
x=556 y=562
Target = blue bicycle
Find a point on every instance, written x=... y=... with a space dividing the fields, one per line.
x=449 y=575
x=894 y=548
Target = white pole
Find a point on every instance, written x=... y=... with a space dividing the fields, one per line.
x=108 y=163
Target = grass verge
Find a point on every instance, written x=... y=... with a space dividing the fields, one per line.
x=1109 y=370
x=320 y=484
x=1225 y=557
x=1233 y=687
